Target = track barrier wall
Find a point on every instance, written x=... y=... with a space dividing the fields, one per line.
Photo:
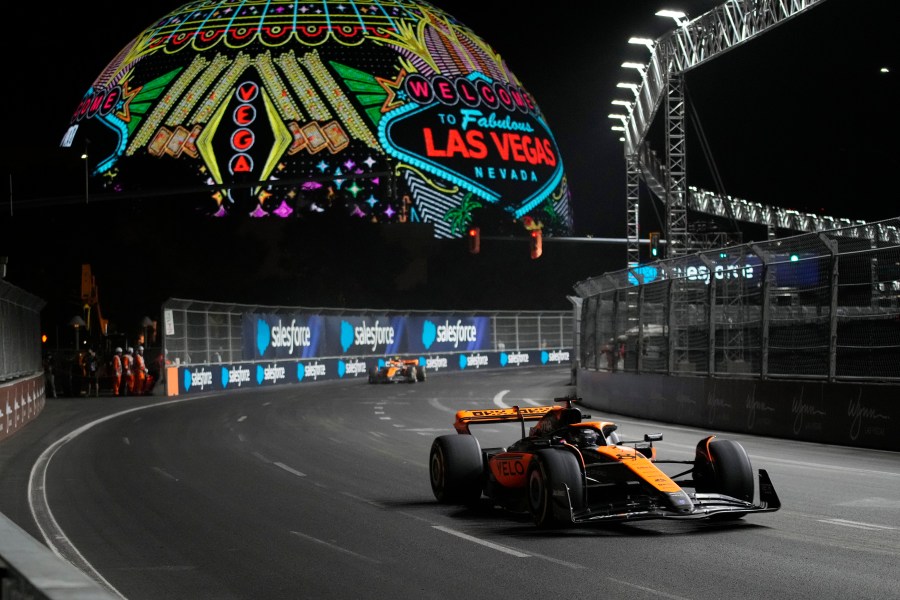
x=865 y=415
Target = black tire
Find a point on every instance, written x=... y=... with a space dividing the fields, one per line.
x=457 y=469
x=548 y=472
x=723 y=469
x=373 y=377
x=420 y=373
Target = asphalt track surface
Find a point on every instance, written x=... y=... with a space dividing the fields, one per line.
x=321 y=491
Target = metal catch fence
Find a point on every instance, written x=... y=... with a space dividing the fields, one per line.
x=20 y=326
x=823 y=305
x=197 y=332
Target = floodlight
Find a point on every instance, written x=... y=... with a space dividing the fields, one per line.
x=679 y=17
x=643 y=42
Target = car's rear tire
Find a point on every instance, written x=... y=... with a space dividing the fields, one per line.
x=457 y=469
x=420 y=373
x=549 y=474
x=723 y=467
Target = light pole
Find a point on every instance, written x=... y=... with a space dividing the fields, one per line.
x=84 y=157
x=77 y=322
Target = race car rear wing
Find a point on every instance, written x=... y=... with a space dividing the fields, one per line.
x=464 y=418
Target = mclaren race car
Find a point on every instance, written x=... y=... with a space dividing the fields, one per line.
x=404 y=370
x=569 y=469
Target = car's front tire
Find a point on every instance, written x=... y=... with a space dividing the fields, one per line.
x=723 y=467
x=554 y=487
x=456 y=469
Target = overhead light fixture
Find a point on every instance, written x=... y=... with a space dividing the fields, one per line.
x=633 y=65
x=624 y=103
x=617 y=128
x=642 y=42
x=679 y=17
x=631 y=86
x=622 y=118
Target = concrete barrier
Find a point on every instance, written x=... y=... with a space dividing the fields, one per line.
x=21 y=401
x=31 y=571
x=866 y=415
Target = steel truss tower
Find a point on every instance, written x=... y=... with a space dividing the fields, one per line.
x=691 y=44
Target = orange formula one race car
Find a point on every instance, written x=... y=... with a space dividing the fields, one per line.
x=403 y=370
x=569 y=469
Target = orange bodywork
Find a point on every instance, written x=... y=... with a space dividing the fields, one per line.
x=509 y=468
x=499 y=415
x=392 y=370
x=397 y=368
x=641 y=466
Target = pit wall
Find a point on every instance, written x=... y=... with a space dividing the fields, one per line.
x=852 y=414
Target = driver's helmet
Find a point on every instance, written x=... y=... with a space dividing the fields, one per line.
x=586 y=437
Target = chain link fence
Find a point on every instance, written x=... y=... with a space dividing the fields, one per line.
x=822 y=305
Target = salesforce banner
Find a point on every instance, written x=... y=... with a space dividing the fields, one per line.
x=371 y=334
x=217 y=378
x=301 y=336
x=279 y=337
x=449 y=334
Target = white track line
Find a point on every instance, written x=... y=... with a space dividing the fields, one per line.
x=485 y=543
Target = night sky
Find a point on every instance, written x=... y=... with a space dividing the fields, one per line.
x=801 y=118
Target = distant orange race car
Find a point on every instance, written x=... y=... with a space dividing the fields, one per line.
x=393 y=370
x=569 y=469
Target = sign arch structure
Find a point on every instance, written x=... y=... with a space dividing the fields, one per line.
x=390 y=111
x=692 y=43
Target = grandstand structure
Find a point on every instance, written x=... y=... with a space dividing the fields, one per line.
x=691 y=44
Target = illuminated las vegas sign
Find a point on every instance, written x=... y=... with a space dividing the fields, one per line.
x=388 y=111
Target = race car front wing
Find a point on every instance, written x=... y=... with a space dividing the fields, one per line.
x=704 y=506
